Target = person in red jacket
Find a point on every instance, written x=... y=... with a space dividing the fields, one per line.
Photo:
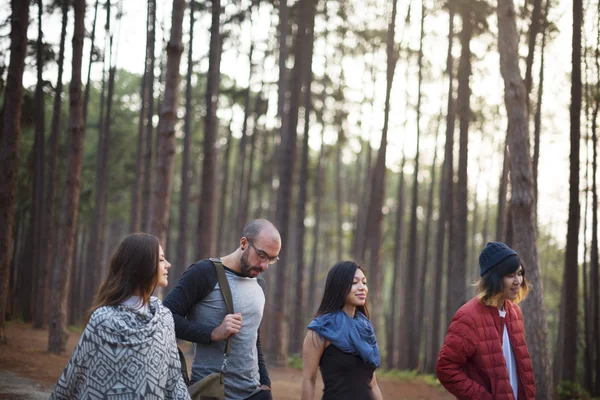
x=484 y=355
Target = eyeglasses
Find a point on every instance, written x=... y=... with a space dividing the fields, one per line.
x=262 y=256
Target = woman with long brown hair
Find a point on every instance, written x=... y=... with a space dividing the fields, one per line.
x=128 y=347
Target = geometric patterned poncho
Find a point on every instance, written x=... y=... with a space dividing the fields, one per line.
x=124 y=354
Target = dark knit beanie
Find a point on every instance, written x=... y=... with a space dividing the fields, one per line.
x=493 y=254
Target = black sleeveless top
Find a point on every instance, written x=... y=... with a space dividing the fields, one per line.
x=345 y=376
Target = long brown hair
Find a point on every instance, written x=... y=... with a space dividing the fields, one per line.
x=132 y=271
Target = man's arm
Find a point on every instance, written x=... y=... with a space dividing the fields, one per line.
x=262 y=366
x=193 y=286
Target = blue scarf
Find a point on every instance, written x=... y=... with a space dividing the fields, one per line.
x=351 y=335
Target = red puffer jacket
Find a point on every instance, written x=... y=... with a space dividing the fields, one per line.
x=471 y=364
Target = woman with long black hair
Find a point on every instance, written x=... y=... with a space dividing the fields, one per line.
x=341 y=340
x=128 y=347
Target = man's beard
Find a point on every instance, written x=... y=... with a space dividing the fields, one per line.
x=245 y=268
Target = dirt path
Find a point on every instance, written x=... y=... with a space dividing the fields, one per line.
x=27 y=371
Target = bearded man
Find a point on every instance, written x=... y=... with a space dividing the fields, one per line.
x=201 y=316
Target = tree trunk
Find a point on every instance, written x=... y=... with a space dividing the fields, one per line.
x=242 y=202
x=538 y=111
x=502 y=189
x=10 y=131
x=91 y=61
x=94 y=252
x=286 y=163
x=446 y=199
x=421 y=318
x=397 y=277
x=375 y=216
x=57 y=337
x=571 y=271
x=47 y=238
x=149 y=125
x=163 y=173
x=522 y=197
x=184 y=195
x=457 y=289
x=298 y=320
x=225 y=204
x=411 y=288
x=206 y=215
x=594 y=299
x=534 y=28
x=40 y=295
x=318 y=197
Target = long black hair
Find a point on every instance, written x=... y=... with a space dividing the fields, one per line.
x=337 y=286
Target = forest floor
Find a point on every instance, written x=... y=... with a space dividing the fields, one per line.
x=28 y=371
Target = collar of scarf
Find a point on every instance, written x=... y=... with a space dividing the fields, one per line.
x=351 y=335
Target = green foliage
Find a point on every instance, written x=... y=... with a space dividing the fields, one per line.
x=428 y=379
x=567 y=390
x=295 y=361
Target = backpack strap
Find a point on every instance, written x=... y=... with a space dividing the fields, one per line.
x=226 y=292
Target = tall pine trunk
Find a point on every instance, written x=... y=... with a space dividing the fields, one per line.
x=594 y=299
x=148 y=148
x=185 y=162
x=163 y=173
x=413 y=285
x=378 y=176
x=446 y=198
x=88 y=84
x=523 y=202
x=57 y=336
x=391 y=353
x=206 y=245
x=48 y=239
x=286 y=164
x=538 y=110
x=10 y=130
x=298 y=320
x=571 y=271
x=39 y=264
x=457 y=289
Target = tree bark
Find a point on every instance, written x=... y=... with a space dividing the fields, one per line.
x=286 y=163
x=47 y=238
x=522 y=197
x=424 y=273
x=39 y=309
x=298 y=320
x=10 y=131
x=184 y=195
x=412 y=285
x=91 y=61
x=163 y=173
x=149 y=125
x=458 y=246
x=446 y=199
x=57 y=337
x=571 y=271
x=226 y=203
x=594 y=299
x=206 y=246
x=392 y=359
